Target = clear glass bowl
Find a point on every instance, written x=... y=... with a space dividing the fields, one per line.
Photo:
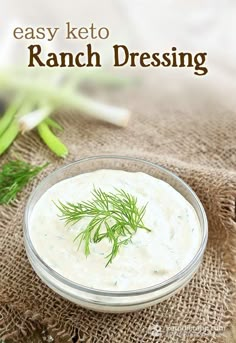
x=114 y=301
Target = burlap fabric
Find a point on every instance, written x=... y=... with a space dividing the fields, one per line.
x=200 y=148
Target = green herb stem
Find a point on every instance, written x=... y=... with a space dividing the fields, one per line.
x=9 y=115
x=65 y=96
x=54 y=124
x=8 y=136
x=51 y=140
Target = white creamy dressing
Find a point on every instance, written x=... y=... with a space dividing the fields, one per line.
x=151 y=257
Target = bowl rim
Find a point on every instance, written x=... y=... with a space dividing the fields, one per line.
x=188 y=269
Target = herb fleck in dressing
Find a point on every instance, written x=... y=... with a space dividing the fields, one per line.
x=152 y=256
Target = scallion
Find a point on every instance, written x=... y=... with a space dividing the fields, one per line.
x=51 y=140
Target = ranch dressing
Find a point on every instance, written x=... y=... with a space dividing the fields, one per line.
x=151 y=257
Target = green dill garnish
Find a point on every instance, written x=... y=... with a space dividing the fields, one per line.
x=14 y=176
x=112 y=216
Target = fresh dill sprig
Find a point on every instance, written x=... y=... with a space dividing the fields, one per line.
x=114 y=216
x=14 y=175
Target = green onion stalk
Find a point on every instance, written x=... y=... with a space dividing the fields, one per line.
x=8 y=137
x=9 y=127
x=65 y=96
x=20 y=118
x=8 y=116
x=50 y=139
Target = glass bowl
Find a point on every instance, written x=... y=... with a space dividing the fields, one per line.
x=103 y=300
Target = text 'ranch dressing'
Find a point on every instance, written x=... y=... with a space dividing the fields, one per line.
x=151 y=257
